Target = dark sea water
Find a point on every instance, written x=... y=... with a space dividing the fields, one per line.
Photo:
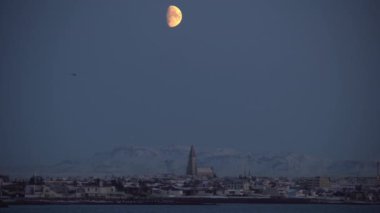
x=234 y=208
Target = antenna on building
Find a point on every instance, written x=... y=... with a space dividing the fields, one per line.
x=244 y=168
x=34 y=182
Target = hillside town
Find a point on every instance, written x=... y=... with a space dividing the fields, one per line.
x=200 y=183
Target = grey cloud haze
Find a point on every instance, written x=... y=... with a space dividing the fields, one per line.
x=79 y=77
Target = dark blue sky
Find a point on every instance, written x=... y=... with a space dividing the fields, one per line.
x=269 y=75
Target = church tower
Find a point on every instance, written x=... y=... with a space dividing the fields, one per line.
x=192 y=163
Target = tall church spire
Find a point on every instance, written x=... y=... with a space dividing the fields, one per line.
x=192 y=163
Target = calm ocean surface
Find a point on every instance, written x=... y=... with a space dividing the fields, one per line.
x=234 y=208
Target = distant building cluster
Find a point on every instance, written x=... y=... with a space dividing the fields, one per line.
x=197 y=182
x=193 y=170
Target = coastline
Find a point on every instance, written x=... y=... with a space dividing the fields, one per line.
x=182 y=201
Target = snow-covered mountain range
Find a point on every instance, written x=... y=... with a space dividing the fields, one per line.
x=137 y=160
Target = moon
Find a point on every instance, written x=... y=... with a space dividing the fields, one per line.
x=173 y=16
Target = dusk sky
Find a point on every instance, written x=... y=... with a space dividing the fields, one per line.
x=84 y=76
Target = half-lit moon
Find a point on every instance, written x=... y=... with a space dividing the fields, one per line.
x=173 y=16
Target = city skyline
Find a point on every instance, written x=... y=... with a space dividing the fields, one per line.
x=197 y=185
x=180 y=160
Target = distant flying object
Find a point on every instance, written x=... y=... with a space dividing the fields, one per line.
x=173 y=16
x=73 y=74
